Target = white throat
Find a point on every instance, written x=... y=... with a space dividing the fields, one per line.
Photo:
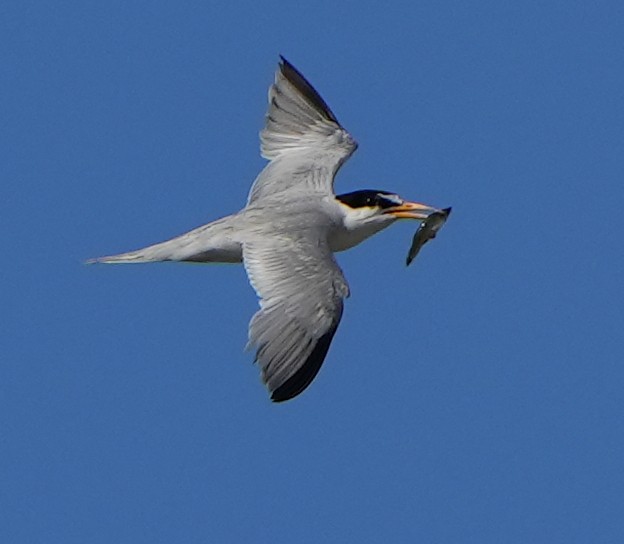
x=356 y=226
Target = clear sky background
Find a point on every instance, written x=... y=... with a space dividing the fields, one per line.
x=473 y=397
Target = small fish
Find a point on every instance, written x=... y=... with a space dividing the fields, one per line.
x=427 y=231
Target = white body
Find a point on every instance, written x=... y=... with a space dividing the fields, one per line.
x=222 y=240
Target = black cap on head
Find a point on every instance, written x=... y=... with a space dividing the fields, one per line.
x=370 y=198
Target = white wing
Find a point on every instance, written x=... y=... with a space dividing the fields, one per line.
x=301 y=290
x=302 y=138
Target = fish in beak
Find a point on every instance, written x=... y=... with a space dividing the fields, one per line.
x=427 y=231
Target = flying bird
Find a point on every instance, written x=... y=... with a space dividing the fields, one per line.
x=288 y=232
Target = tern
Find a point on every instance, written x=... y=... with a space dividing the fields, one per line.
x=288 y=232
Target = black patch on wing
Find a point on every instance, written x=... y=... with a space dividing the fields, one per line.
x=308 y=371
x=367 y=198
x=300 y=83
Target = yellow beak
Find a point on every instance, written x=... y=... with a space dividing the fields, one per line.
x=411 y=210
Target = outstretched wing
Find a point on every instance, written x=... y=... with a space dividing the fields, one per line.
x=302 y=138
x=301 y=290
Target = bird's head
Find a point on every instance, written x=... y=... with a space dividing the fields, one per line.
x=371 y=206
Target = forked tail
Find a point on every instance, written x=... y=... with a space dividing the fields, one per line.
x=138 y=256
x=213 y=242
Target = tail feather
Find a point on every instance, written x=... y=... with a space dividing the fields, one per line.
x=124 y=258
x=210 y=243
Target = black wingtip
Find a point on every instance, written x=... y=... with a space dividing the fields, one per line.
x=298 y=80
x=295 y=385
x=447 y=211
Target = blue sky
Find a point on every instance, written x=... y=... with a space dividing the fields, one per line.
x=473 y=397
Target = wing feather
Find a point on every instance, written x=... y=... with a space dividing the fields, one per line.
x=301 y=290
x=302 y=138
